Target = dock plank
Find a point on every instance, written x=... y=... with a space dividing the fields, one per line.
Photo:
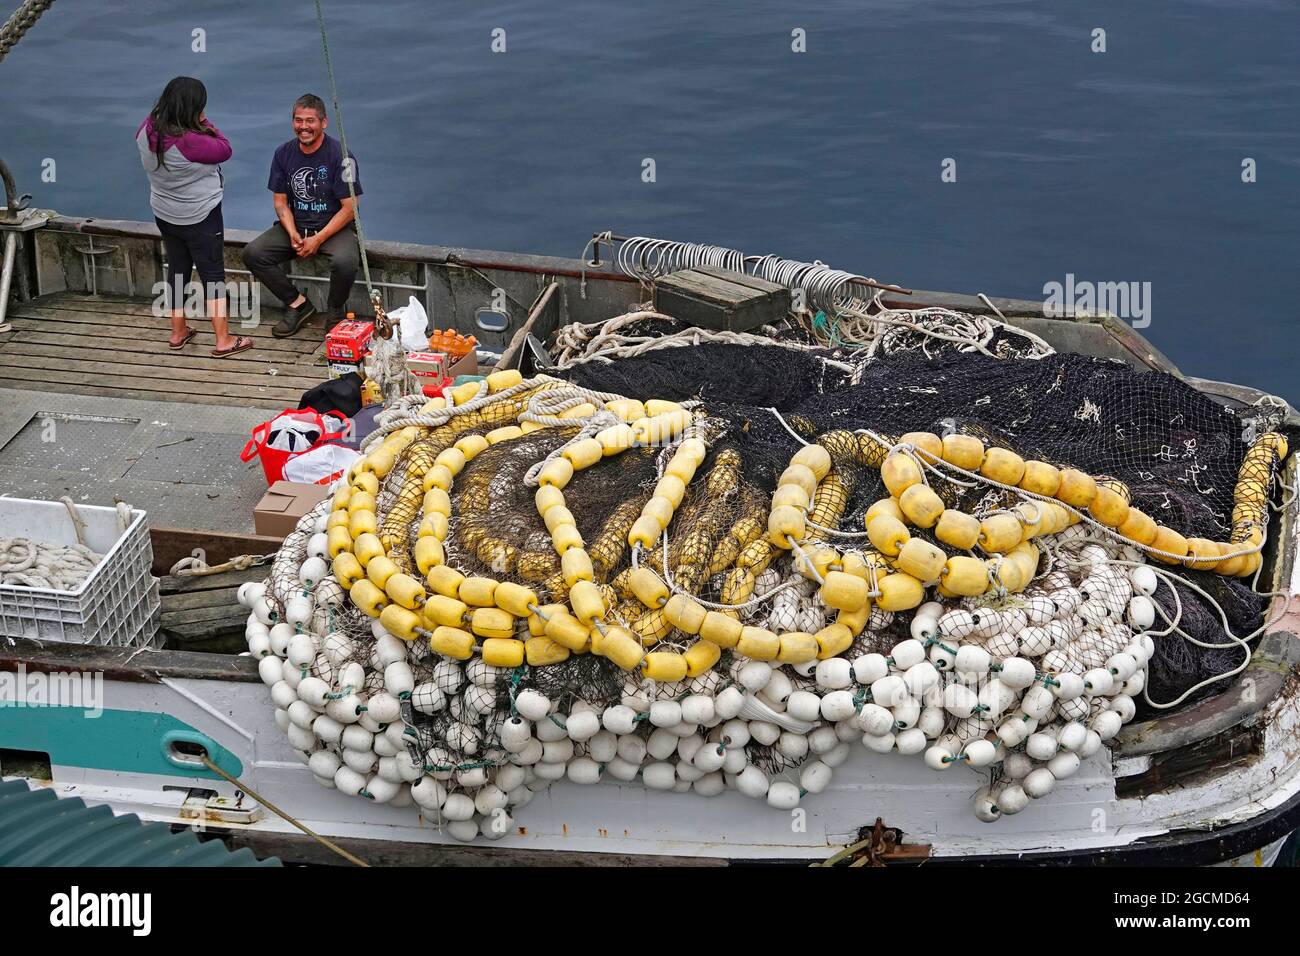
x=217 y=617
x=174 y=375
x=256 y=357
x=154 y=366
x=117 y=348
x=155 y=390
x=225 y=598
x=170 y=584
x=153 y=329
x=174 y=362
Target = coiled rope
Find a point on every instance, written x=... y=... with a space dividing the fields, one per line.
x=27 y=563
x=605 y=342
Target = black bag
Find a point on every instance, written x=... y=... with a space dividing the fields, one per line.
x=339 y=394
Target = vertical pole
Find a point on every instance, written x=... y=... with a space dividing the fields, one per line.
x=7 y=273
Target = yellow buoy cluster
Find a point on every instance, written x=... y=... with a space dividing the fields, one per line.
x=459 y=615
x=1106 y=501
x=1006 y=537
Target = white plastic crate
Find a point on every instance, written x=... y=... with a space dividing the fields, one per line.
x=150 y=613
x=115 y=606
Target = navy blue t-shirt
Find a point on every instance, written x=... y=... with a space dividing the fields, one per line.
x=313 y=182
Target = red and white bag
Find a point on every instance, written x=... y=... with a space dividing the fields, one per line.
x=301 y=445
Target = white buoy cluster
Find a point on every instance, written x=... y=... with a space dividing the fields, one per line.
x=1028 y=688
x=1020 y=690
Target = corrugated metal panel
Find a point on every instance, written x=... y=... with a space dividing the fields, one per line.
x=39 y=828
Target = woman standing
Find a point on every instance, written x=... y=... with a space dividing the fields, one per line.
x=181 y=151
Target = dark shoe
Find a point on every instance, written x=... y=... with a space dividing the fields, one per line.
x=294 y=319
x=332 y=319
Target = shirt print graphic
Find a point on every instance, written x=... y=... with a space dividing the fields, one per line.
x=311 y=189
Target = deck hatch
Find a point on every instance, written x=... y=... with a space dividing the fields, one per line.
x=59 y=441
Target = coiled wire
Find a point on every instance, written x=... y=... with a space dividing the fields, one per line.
x=833 y=291
x=647 y=259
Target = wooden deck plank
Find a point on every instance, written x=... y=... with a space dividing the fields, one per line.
x=155 y=366
x=64 y=388
x=284 y=361
x=225 y=598
x=122 y=305
x=172 y=544
x=123 y=663
x=145 y=389
x=133 y=312
x=229 y=613
x=108 y=337
x=125 y=320
x=95 y=323
x=170 y=584
x=106 y=305
x=116 y=348
x=175 y=375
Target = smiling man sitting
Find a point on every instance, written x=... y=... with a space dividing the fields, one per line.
x=309 y=179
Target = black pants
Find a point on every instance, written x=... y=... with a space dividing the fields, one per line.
x=200 y=246
x=265 y=255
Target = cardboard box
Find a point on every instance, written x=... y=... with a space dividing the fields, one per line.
x=339 y=369
x=427 y=364
x=283 y=504
x=468 y=365
x=435 y=372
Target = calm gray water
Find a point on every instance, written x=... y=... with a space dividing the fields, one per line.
x=1116 y=166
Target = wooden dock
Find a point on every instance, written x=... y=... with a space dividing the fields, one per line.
x=115 y=347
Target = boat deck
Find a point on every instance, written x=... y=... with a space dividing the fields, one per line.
x=94 y=406
x=115 y=347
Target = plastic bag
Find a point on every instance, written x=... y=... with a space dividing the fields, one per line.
x=291 y=433
x=413 y=323
x=321 y=465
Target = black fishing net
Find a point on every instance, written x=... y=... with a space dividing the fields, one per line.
x=736 y=375
x=1177 y=451
x=585 y=677
x=495 y=528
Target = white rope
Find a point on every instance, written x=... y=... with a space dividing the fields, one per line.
x=25 y=562
x=784 y=424
x=1233 y=640
x=602 y=341
x=405 y=411
x=860 y=326
x=546 y=407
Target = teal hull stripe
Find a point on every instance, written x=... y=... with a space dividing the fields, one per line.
x=127 y=741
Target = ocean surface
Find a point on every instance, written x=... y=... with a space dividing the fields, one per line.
x=1122 y=166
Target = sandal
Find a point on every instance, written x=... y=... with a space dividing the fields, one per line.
x=243 y=343
x=189 y=334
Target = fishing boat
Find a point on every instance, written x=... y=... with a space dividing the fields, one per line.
x=187 y=737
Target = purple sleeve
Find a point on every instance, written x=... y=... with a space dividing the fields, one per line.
x=205 y=148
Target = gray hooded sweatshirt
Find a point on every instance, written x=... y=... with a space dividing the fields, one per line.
x=188 y=184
